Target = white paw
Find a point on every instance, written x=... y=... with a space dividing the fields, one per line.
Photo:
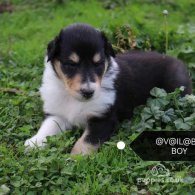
x=35 y=142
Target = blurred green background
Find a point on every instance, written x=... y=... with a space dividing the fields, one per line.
x=26 y=27
x=29 y=25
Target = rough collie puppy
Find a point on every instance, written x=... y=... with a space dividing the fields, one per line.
x=86 y=85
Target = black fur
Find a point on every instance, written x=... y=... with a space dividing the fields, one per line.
x=139 y=72
x=142 y=71
x=85 y=41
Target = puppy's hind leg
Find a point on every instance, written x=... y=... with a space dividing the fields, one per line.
x=177 y=76
x=50 y=126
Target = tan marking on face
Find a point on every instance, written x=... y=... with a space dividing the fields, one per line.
x=57 y=66
x=82 y=147
x=96 y=57
x=74 y=57
x=72 y=85
x=75 y=83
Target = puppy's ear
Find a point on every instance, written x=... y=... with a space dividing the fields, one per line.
x=53 y=48
x=109 y=51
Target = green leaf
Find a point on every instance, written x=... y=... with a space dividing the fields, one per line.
x=4 y=189
x=180 y=125
x=157 y=92
x=146 y=114
x=169 y=115
x=160 y=102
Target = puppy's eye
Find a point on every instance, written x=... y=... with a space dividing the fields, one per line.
x=99 y=63
x=71 y=64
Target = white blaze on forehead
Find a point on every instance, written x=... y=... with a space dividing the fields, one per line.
x=96 y=57
x=74 y=57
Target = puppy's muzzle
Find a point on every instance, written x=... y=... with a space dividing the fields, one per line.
x=87 y=93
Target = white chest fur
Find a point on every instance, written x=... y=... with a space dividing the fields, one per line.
x=58 y=102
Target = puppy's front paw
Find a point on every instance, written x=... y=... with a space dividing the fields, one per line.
x=34 y=142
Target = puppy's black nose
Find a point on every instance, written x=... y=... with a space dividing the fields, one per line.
x=87 y=93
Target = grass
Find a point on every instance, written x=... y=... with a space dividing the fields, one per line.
x=24 y=35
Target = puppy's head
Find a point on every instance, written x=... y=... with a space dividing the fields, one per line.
x=80 y=56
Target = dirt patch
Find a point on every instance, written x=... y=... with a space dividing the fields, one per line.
x=6 y=7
